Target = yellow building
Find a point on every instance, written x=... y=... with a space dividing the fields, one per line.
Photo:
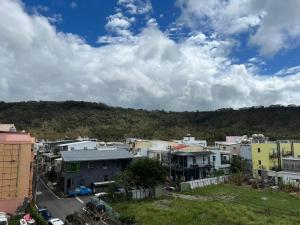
x=268 y=155
x=16 y=157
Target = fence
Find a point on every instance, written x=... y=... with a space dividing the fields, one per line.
x=190 y=185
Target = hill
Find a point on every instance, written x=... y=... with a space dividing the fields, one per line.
x=73 y=118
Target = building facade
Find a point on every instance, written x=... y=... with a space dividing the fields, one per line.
x=85 y=167
x=268 y=156
x=16 y=171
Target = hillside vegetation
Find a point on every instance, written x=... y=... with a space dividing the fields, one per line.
x=59 y=119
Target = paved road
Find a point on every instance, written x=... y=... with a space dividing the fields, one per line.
x=59 y=207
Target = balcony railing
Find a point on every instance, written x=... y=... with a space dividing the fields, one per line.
x=273 y=155
x=275 y=168
x=198 y=165
x=284 y=154
x=225 y=161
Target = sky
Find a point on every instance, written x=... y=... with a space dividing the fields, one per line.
x=179 y=55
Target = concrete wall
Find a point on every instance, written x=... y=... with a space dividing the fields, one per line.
x=203 y=182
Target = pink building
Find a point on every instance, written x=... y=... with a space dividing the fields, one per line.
x=16 y=157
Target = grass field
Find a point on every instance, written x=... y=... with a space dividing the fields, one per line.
x=220 y=204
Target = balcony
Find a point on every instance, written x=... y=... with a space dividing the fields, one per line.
x=275 y=168
x=273 y=155
x=192 y=166
x=223 y=161
x=286 y=153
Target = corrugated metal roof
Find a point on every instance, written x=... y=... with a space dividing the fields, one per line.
x=95 y=155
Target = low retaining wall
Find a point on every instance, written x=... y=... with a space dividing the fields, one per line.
x=190 y=185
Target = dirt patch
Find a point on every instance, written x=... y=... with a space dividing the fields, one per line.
x=191 y=197
x=163 y=204
x=226 y=198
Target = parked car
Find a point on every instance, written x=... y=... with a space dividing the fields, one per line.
x=55 y=221
x=3 y=218
x=96 y=205
x=45 y=213
x=23 y=222
x=170 y=188
x=80 y=191
x=101 y=194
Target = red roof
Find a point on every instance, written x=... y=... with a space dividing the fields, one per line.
x=16 y=138
x=180 y=146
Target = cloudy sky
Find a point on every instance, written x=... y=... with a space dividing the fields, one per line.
x=172 y=54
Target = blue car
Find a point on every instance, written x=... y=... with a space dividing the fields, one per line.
x=45 y=213
x=80 y=191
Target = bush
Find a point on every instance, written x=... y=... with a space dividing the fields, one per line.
x=36 y=215
x=237 y=178
x=128 y=220
x=14 y=220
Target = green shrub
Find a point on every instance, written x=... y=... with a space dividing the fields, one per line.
x=36 y=215
x=128 y=220
x=14 y=220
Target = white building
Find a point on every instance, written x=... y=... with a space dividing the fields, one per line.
x=190 y=140
x=220 y=160
x=80 y=145
x=290 y=173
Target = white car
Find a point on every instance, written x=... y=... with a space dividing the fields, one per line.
x=23 y=222
x=55 y=221
x=3 y=219
x=101 y=194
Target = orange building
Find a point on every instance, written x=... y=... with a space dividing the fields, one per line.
x=16 y=157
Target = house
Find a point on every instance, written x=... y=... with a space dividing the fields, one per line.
x=190 y=140
x=220 y=160
x=84 y=167
x=290 y=173
x=7 y=127
x=190 y=162
x=16 y=170
x=246 y=154
x=232 y=147
x=78 y=145
x=268 y=155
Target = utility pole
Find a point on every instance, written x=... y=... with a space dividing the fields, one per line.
x=36 y=174
x=170 y=162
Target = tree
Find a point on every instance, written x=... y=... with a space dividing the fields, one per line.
x=145 y=173
x=237 y=164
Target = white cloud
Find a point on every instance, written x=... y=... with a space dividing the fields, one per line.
x=272 y=24
x=118 y=26
x=55 y=18
x=39 y=63
x=135 y=7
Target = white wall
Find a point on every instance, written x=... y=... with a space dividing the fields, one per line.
x=88 y=145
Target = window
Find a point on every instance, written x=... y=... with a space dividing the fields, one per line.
x=214 y=158
x=194 y=161
x=72 y=167
x=85 y=148
x=258 y=150
x=104 y=166
x=72 y=148
x=105 y=178
x=203 y=159
x=91 y=165
x=259 y=162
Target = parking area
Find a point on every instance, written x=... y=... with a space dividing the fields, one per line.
x=58 y=206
